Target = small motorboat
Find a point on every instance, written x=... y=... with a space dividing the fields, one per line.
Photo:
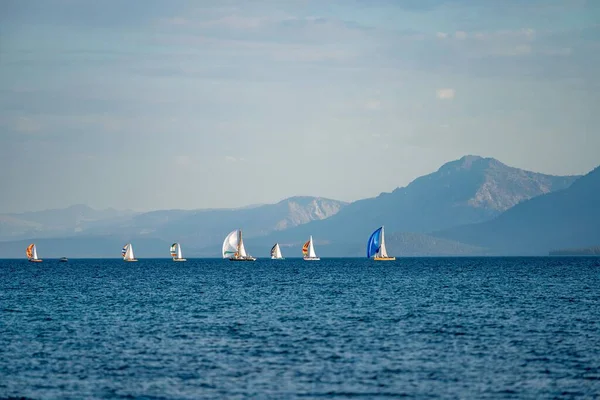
x=63 y=259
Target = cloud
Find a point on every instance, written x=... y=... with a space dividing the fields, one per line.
x=445 y=94
x=232 y=159
x=183 y=160
x=441 y=35
x=236 y=22
x=460 y=35
x=175 y=21
x=373 y=104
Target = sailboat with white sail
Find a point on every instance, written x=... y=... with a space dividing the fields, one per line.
x=31 y=253
x=308 y=251
x=176 y=252
x=376 y=246
x=233 y=247
x=127 y=253
x=276 y=252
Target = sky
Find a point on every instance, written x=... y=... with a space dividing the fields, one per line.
x=148 y=104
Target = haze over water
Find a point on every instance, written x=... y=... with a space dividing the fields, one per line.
x=338 y=328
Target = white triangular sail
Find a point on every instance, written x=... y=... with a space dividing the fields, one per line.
x=311 y=249
x=382 y=253
x=230 y=245
x=176 y=251
x=35 y=256
x=242 y=249
x=128 y=252
x=276 y=252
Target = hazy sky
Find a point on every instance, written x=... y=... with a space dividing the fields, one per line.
x=148 y=104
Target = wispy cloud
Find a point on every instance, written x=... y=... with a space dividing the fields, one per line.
x=445 y=94
x=373 y=104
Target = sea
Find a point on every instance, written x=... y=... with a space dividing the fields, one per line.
x=449 y=328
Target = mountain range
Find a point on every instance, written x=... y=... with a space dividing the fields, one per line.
x=470 y=206
x=568 y=218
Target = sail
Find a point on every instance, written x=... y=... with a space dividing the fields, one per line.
x=129 y=254
x=174 y=250
x=179 y=255
x=311 y=249
x=305 y=249
x=276 y=251
x=374 y=243
x=382 y=249
x=29 y=251
x=242 y=249
x=230 y=244
x=35 y=256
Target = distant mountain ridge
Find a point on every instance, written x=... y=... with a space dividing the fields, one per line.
x=200 y=227
x=463 y=192
x=568 y=218
x=56 y=222
x=470 y=190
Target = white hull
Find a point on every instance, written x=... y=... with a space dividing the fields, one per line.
x=179 y=259
x=311 y=258
x=130 y=260
x=277 y=258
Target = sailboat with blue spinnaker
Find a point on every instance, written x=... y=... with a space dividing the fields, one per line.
x=376 y=246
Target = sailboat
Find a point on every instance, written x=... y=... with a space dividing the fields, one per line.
x=376 y=246
x=308 y=250
x=276 y=252
x=233 y=247
x=176 y=252
x=127 y=253
x=32 y=255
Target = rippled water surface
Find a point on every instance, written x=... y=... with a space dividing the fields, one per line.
x=340 y=328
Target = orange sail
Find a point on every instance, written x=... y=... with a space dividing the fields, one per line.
x=29 y=251
x=305 y=248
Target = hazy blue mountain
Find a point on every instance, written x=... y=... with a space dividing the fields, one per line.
x=56 y=222
x=208 y=227
x=568 y=218
x=194 y=229
x=469 y=190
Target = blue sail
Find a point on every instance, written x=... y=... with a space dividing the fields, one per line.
x=374 y=243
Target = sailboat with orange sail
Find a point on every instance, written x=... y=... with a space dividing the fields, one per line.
x=308 y=251
x=31 y=253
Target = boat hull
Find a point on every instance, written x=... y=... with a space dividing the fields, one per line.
x=311 y=258
x=242 y=259
x=132 y=260
x=384 y=258
x=179 y=259
x=277 y=258
x=32 y=260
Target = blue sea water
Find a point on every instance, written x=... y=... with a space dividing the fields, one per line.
x=340 y=328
